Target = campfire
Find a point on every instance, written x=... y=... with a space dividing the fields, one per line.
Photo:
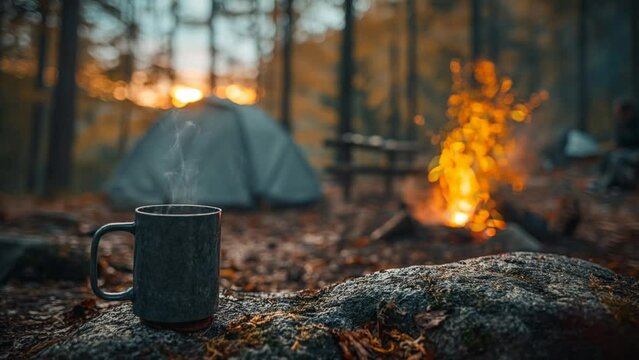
x=477 y=151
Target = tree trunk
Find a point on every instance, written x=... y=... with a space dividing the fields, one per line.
x=38 y=110
x=343 y=154
x=2 y=12
x=634 y=46
x=393 y=65
x=212 y=50
x=63 y=109
x=125 y=120
x=43 y=44
x=270 y=75
x=258 y=49
x=287 y=72
x=495 y=31
x=559 y=52
x=533 y=49
x=582 y=80
x=172 y=38
x=475 y=29
x=411 y=81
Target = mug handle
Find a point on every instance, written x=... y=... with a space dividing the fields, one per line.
x=125 y=295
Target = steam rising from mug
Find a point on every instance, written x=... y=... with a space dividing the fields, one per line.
x=182 y=178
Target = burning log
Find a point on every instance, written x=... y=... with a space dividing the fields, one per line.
x=403 y=222
x=512 y=238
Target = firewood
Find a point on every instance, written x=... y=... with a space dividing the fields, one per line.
x=401 y=221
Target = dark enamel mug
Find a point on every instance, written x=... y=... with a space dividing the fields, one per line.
x=176 y=265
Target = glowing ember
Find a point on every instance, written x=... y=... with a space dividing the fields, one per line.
x=474 y=152
x=182 y=95
x=459 y=218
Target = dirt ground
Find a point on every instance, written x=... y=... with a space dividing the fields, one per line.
x=287 y=249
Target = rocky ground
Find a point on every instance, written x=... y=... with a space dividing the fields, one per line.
x=267 y=251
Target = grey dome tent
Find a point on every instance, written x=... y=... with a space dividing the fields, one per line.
x=218 y=153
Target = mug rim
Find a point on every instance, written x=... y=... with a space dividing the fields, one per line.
x=212 y=210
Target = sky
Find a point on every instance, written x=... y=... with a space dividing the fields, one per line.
x=234 y=37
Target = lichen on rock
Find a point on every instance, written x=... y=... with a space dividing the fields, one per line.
x=518 y=305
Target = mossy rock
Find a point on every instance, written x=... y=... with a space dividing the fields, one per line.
x=511 y=306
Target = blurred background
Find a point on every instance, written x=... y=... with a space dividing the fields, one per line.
x=81 y=81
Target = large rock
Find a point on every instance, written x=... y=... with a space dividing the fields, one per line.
x=512 y=306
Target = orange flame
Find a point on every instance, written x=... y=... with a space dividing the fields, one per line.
x=474 y=154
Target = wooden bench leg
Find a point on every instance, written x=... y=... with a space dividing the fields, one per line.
x=347 y=183
x=388 y=184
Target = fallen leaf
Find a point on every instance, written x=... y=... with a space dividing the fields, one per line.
x=430 y=319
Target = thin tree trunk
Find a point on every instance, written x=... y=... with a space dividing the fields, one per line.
x=125 y=120
x=63 y=109
x=172 y=38
x=343 y=154
x=393 y=64
x=495 y=31
x=411 y=80
x=258 y=49
x=43 y=44
x=533 y=49
x=38 y=110
x=634 y=46
x=287 y=71
x=475 y=29
x=559 y=52
x=582 y=80
x=271 y=76
x=212 y=50
x=2 y=12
